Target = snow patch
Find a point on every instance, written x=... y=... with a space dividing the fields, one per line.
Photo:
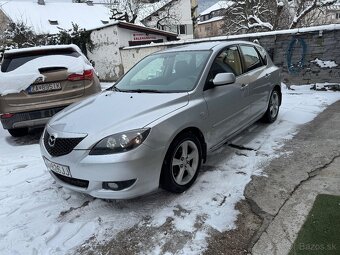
x=325 y=63
x=38 y=217
x=22 y=77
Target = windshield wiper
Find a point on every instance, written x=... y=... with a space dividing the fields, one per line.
x=114 y=88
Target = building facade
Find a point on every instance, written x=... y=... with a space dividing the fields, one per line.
x=109 y=39
x=176 y=16
x=210 y=20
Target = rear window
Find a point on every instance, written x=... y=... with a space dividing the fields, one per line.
x=14 y=60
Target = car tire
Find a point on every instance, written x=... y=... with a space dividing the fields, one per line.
x=18 y=132
x=273 y=107
x=182 y=163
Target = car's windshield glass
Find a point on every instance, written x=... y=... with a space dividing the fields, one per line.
x=166 y=72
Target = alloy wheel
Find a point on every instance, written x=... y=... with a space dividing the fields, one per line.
x=274 y=105
x=185 y=162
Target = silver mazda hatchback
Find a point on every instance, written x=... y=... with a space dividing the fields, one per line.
x=155 y=127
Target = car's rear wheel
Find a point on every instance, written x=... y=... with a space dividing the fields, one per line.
x=273 y=107
x=182 y=163
x=18 y=132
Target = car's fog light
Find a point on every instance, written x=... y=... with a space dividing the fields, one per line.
x=116 y=186
x=112 y=185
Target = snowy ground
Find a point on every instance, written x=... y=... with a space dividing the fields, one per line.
x=38 y=217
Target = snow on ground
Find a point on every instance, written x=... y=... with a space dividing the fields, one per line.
x=38 y=217
x=325 y=63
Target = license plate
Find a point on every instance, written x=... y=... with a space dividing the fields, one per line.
x=57 y=168
x=38 y=88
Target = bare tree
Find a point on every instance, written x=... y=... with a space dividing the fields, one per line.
x=266 y=15
x=125 y=10
x=167 y=19
x=310 y=10
x=130 y=10
x=252 y=16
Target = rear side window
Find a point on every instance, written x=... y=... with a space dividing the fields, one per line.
x=251 y=58
x=14 y=60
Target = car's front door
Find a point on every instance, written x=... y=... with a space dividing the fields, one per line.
x=228 y=105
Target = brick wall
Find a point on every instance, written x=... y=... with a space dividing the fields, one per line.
x=292 y=50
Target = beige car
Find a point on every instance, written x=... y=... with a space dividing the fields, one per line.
x=57 y=87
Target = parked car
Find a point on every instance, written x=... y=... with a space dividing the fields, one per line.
x=157 y=124
x=65 y=77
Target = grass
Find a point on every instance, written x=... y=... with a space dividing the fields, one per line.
x=320 y=234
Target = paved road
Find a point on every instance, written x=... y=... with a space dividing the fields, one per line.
x=312 y=167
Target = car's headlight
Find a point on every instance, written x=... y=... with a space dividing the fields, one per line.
x=120 y=142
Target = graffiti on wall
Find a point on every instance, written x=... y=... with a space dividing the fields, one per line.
x=296 y=55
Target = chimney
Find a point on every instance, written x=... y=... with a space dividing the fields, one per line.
x=90 y=3
x=41 y=2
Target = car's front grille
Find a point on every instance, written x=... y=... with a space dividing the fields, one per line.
x=60 y=146
x=72 y=181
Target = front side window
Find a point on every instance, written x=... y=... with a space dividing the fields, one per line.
x=166 y=72
x=251 y=58
x=228 y=61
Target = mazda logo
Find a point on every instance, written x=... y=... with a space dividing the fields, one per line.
x=51 y=140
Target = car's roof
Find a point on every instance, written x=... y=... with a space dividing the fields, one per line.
x=47 y=47
x=213 y=45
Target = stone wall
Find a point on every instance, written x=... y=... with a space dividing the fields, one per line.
x=306 y=56
x=3 y=22
x=105 y=54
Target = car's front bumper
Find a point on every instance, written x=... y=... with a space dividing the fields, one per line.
x=30 y=119
x=90 y=172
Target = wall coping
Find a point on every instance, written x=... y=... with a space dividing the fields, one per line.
x=331 y=27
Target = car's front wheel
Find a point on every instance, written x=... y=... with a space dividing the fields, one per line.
x=182 y=163
x=273 y=107
x=18 y=132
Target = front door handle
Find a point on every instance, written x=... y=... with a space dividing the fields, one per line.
x=244 y=86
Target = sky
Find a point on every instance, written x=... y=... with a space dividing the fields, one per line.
x=202 y=4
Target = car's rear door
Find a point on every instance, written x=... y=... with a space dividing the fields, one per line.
x=228 y=105
x=258 y=79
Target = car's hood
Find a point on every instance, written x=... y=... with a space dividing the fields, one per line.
x=112 y=112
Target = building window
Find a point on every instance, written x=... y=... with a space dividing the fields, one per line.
x=181 y=29
x=53 y=22
x=337 y=16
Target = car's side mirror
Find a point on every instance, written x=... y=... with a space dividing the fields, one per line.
x=224 y=79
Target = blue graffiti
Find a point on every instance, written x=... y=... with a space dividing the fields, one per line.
x=296 y=68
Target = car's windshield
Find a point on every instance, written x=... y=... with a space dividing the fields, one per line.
x=165 y=72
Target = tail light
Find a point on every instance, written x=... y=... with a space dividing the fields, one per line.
x=87 y=75
x=6 y=115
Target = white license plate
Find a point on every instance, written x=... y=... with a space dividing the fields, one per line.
x=57 y=168
x=44 y=87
